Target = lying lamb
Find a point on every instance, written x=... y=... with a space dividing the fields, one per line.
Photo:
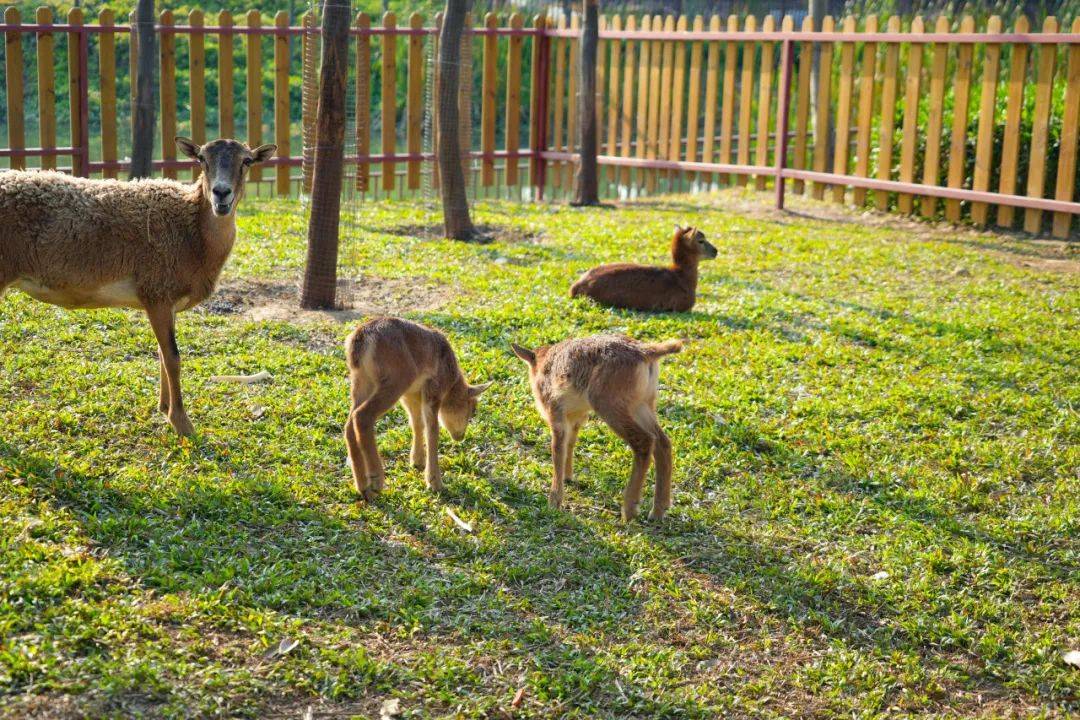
x=157 y=245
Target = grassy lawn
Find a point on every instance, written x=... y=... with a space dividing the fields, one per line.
x=877 y=456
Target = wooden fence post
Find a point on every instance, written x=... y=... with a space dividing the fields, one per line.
x=13 y=57
x=107 y=76
x=226 y=122
x=1070 y=129
x=513 y=99
x=1040 y=127
x=197 y=72
x=388 y=102
x=984 y=144
x=254 y=91
x=282 y=129
x=168 y=94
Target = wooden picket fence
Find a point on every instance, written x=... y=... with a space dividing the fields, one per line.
x=934 y=122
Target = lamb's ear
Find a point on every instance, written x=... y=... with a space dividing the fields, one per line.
x=525 y=354
x=187 y=146
x=477 y=390
x=679 y=229
x=263 y=153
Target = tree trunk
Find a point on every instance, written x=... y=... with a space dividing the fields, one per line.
x=586 y=182
x=142 y=142
x=320 y=274
x=456 y=221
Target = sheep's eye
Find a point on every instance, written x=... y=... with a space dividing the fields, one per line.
x=248 y=162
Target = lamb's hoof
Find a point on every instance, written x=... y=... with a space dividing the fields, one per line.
x=435 y=484
x=370 y=494
x=629 y=512
x=182 y=425
x=555 y=499
x=657 y=514
x=163 y=407
x=419 y=464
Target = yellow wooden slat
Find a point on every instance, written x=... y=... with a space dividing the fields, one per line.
x=693 y=103
x=487 y=102
x=107 y=83
x=667 y=63
x=935 y=118
x=746 y=96
x=75 y=19
x=1070 y=128
x=910 y=130
x=601 y=80
x=866 y=110
x=254 y=89
x=656 y=64
x=1040 y=127
x=282 y=130
x=535 y=122
x=613 y=100
x=729 y=98
x=712 y=78
x=803 y=103
x=13 y=62
x=643 y=101
x=388 y=101
x=958 y=140
x=626 y=114
x=572 y=139
x=465 y=95
x=362 y=79
x=888 y=114
x=823 y=106
x=678 y=91
x=226 y=123
x=46 y=87
x=197 y=74
x=764 y=130
x=1014 y=106
x=842 y=147
x=558 y=47
x=513 y=98
x=984 y=143
x=167 y=40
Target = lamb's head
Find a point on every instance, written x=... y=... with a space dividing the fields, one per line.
x=689 y=242
x=224 y=166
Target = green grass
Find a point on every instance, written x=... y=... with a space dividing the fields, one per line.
x=856 y=399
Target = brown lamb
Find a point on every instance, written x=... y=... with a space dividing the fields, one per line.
x=155 y=245
x=616 y=377
x=646 y=287
x=391 y=359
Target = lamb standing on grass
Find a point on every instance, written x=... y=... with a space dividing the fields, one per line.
x=157 y=245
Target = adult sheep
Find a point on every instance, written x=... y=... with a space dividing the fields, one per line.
x=156 y=245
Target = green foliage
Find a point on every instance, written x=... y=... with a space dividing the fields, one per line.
x=856 y=399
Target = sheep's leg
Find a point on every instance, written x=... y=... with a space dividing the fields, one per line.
x=641 y=438
x=432 y=473
x=662 y=489
x=163 y=321
x=163 y=386
x=414 y=407
x=571 y=441
x=359 y=391
x=559 y=436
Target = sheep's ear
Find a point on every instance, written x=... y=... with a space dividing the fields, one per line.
x=477 y=390
x=525 y=354
x=188 y=147
x=263 y=153
x=678 y=229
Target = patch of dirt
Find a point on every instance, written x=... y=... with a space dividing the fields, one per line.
x=359 y=297
x=496 y=233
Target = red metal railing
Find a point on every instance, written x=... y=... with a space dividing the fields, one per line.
x=82 y=165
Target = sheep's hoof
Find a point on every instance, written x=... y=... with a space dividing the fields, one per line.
x=629 y=512
x=181 y=424
x=434 y=483
x=370 y=494
x=555 y=499
x=418 y=462
x=657 y=514
x=163 y=407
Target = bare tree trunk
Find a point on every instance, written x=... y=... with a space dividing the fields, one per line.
x=456 y=221
x=142 y=141
x=586 y=182
x=320 y=275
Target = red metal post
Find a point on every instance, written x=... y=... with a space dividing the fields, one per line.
x=782 y=125
x=541 y=111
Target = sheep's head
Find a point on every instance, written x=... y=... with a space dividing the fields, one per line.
x=459 y=406
x=224 y=166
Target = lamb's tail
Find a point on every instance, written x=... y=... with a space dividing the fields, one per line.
x=656 y=351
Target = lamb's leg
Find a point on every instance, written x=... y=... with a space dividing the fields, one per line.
x=662 y=490
x=359 y=391
x=364 y=418
x=414 y=407
x=571 y=442
x=559 y=435
x=641 y=439
x=432 y=473
x=163 y=321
